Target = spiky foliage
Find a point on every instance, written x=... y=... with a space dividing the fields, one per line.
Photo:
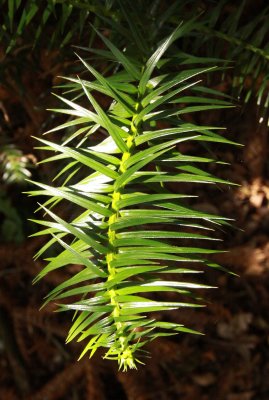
x=130 y=228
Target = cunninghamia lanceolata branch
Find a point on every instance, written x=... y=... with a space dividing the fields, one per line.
x=129 y=232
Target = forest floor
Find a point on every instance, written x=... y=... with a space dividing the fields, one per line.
x=229 y=362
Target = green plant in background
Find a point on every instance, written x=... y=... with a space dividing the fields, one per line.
x=122 y=174
x=21 y=15
x=14 y=169
x=14 y=165
x=222 y=29
x=241 y=36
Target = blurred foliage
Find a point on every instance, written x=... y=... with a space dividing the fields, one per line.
x=14 y=165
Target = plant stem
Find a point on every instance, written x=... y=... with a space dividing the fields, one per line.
x=124 y=351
